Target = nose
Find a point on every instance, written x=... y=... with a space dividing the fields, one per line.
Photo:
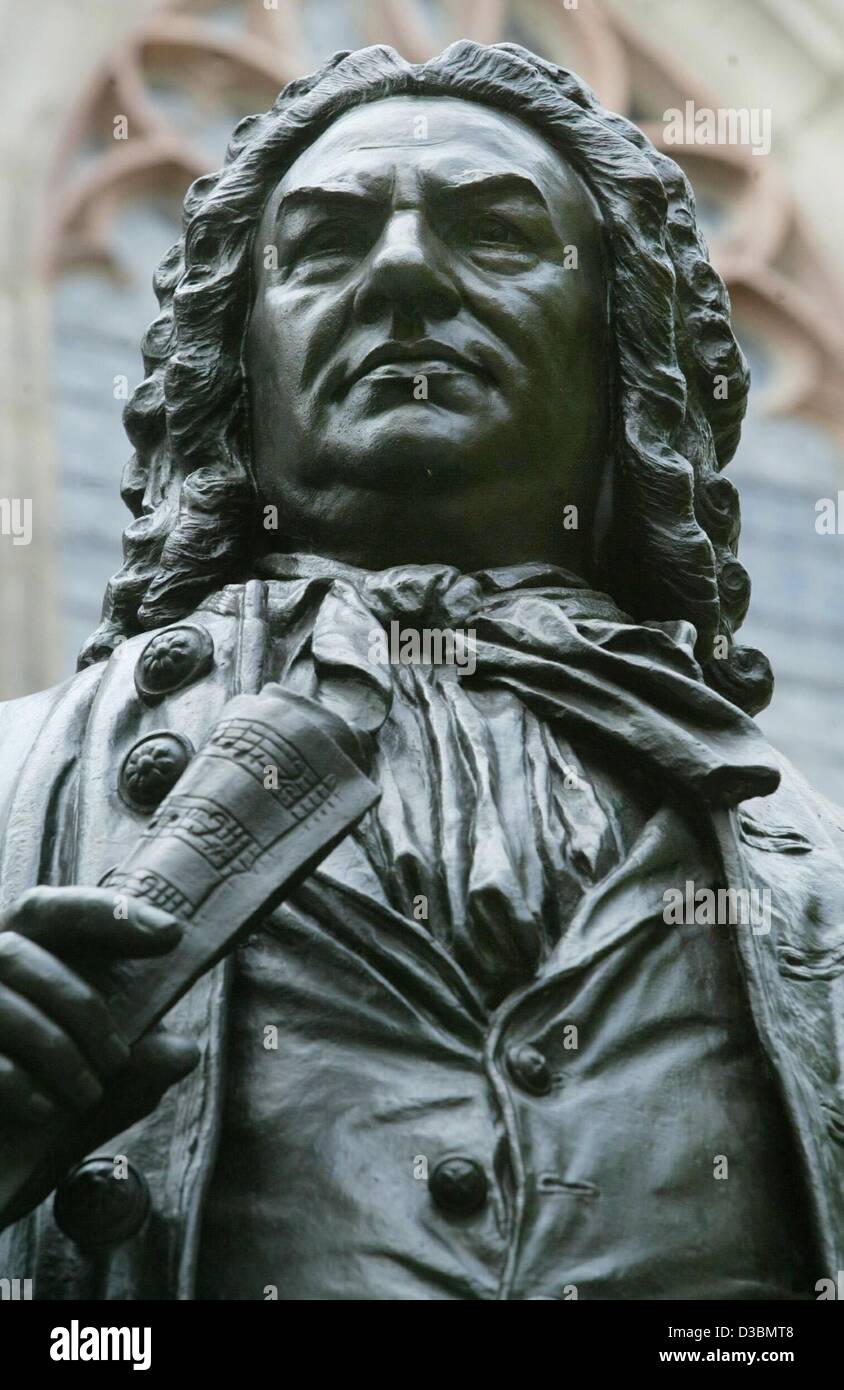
x=405 y=277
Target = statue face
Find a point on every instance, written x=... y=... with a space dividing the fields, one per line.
x=428 y=360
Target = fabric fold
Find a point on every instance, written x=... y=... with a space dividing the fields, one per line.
x=566 y=650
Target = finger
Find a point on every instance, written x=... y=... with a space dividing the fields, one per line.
x=53 y=1060
x=159 y=1061
x=163 y=1058
x=95 y=920
x=39 y=976
x=21 y=1102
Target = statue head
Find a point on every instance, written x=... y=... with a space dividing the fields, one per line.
x=438 y=313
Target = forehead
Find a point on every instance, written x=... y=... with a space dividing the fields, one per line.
x=431 y=139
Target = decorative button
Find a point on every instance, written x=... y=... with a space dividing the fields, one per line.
x=173 y=659
x=152 y=767
x=96 y=1208
x=458 y=1185
x=529 y=1069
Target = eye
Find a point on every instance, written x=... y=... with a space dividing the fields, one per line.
x=489 y=230
x=332 y=239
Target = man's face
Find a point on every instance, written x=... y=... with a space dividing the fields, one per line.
x=434 y=328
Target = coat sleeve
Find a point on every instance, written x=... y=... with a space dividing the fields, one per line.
x=40 y=740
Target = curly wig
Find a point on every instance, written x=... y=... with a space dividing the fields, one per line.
x=680 y=379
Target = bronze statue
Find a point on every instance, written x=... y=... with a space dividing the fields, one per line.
x=432 y=434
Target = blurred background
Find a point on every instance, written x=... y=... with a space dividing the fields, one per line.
x=111 y=110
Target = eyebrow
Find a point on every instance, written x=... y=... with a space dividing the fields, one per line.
x=472 y=184
x=334 y=197
x=477 y=183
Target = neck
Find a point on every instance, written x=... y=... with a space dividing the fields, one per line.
x=472 y=530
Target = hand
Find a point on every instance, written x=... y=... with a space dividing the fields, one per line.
x=61 y=1052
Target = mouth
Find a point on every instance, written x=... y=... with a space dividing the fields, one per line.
x=422 y=358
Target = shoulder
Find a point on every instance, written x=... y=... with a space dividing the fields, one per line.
x=25 y=720
x=147 y=671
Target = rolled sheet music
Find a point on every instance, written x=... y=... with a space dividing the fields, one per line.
x=267 y=797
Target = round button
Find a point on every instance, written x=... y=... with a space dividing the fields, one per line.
x=458 y=1185
x=529 y=1069
x=152 y=768
x=101 y=1203
x=173 y=659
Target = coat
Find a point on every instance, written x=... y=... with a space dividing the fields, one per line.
x=64 y=821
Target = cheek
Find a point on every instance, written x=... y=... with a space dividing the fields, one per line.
x=297 y=330
x=264 y=346
x=274 y=356
x=574 y=329
x=544 y=316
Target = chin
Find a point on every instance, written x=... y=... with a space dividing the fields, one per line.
x=419 y=447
